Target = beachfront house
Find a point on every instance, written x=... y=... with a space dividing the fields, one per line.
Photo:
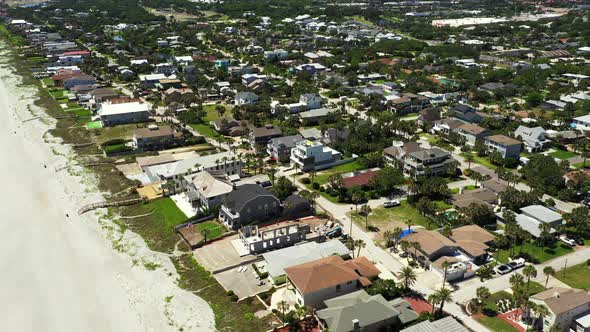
x=124 y=113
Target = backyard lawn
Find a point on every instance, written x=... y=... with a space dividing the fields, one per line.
x=495 y=324
x=167 y=212
x=205 y=130
x=48 y=82
x=490 y=311
x=480 y=160
x=353 y=166
x=577 y=276
x=390 y=218
x=214 y=228
x=539 y=254
x=212 y=114
x=122 y=131
x=582 y=165
x=563 y=155
x=59 y=94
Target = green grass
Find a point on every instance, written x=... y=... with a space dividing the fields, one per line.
x=205 y=130
x=212 y=114
x=539 y=254
x=470 y=187
x=122 y=131
x=59 y=94
x=215 y=229
x=535 y=288
x=443 y=205
x=563 y=155
x=48 y=82
x=168 y=214
x=94 y=125
x=576 y=276
x=495 y=324
x=381 y=217
x=116 y=148
x=353 y=166
x=490 y=311
x=481 y=160
x=582 y=164
x=82 y=112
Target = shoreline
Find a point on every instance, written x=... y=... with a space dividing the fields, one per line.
x=102 y=276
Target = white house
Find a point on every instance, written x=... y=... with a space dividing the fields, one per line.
x=313 y=155
x=582 y=123
x=124 y=113
x=533 y=138
x=246 y=98
x=564 y=304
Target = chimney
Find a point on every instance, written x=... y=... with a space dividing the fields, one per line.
x=356 y=326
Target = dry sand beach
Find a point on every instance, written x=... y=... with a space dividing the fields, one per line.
x=62 y=273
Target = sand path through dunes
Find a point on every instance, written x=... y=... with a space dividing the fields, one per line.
x=62 y=274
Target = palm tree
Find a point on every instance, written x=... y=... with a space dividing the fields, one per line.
x=272 y=171
x=542 y=312
x=205 y=234
x=405 y=245
x=388 y=235
x=312 y=174
x=529 y=272
x=548 y=271
x=408 y=276
x=360 y=243
x=445 y=265
x=356 y=199
x=516 y=280
x=366 y=210
x=482 y=293
x=283 y=307
x=444 y=296
x=410 y=223
x=416 y=246
x=434 y=301
x=469 y=158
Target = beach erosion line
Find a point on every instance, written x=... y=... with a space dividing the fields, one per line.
x=154 y=300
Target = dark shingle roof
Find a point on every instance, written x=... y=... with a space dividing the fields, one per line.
x=238 y=198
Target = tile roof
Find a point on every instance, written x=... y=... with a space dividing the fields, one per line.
x=329 y=272
x=361 y=179
x=562 y=300
x=430 y=241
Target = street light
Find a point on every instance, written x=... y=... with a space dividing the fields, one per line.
x=350 y=233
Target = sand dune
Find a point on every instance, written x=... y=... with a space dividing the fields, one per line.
x=62 y=274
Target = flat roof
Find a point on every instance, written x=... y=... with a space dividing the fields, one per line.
x=280 y=259
x=113 y=109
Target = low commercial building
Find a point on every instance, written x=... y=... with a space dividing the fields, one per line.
x=124 y=113
x=507 y=146
x=532 y=217
x=313 y=155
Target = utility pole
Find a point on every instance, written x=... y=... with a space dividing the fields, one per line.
x=564 y=267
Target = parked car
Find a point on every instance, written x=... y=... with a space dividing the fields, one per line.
x=503 y=269
x=391 y=203
x=578 y=239
x=517 y=263
x=567 y=240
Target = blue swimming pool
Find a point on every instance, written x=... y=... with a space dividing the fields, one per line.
x=406 y=232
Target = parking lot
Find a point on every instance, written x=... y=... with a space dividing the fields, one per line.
x=243 y=283
x=220 y=255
